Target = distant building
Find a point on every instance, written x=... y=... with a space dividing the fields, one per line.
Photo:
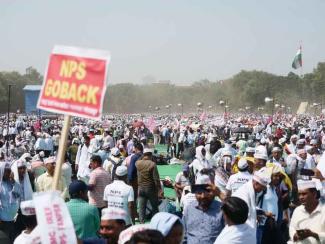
x=164 y=82
x=31 y=97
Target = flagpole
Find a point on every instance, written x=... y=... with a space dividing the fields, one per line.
x=301 y=68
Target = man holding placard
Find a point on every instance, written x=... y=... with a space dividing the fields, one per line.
x=74 y=84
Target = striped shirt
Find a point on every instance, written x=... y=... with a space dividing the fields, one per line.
x=100 y=179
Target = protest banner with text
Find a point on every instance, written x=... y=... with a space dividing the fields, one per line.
x=75 y=82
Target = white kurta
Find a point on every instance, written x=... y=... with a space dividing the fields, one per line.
x=315 y=221
x=246 y=192
x=237 y=234
x=83 y=161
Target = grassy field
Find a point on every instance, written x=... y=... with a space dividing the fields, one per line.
x=167 y=170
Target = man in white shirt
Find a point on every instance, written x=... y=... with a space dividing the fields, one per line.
x=249 y=191
x=83 y=161
x=108 y=139
x=120 y=195
x=29 y=213
x=237 y=180
x=182 y=180
x=308 y=220
x=277 y=157
x=236 y=231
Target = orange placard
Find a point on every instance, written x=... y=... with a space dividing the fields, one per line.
x=75 y=82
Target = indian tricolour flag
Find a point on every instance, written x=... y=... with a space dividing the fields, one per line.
x=297 y=62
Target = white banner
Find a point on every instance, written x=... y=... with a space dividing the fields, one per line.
x=53 y=218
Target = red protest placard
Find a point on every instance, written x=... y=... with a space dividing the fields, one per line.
x=75 y=82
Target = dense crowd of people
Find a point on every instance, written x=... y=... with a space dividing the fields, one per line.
x=244 y=179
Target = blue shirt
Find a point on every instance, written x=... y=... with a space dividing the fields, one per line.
x=202 y=227
x=270 y=201
x=132 y=170
x=9 y=199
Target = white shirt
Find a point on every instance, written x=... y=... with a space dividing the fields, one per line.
x=198 y=165
x=33 y=237
x=22 y=238
x=67 y=172
x=247 y=193
x=56 y=139
x=315 y=221
x=181 y=137
x=187 y=199
x=181 y=179
x=237 y=180
x=118 y=194
x=108 y=139
x=83 y=161
x=237 y=234
x=108 y=164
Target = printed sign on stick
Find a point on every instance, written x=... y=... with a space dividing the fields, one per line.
x=75 y=82
x=53 y=218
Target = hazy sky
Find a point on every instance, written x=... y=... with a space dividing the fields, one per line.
x=180 y=40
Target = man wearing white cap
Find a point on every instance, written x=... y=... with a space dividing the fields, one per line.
x=260 y=157
x=301 y=143
x=203 y=218
x=120 y=195
x=304 y=162
x=112 y=162
x=237 y=180
x=277 y=157
x=44 y=182
x=111 y=225
x=29 y=220
x=249 y=152
x=308 y=220
x=249 y=191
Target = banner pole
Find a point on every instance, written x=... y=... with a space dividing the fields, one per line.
x=61 y=153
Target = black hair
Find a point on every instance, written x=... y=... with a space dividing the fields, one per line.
x=235 y=209
x=75 y=195
x=120 y=221
x=29 y=221
x=312 y=190
x=97 y=159
x=209 y=172
x=178 y=222
x=148 y=154
x=139 y=146
x=148 y=237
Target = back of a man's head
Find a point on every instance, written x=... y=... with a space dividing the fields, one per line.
x=138 y=147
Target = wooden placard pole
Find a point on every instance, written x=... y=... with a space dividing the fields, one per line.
x=61 y=152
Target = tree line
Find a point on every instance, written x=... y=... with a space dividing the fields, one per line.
x=247 y=89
